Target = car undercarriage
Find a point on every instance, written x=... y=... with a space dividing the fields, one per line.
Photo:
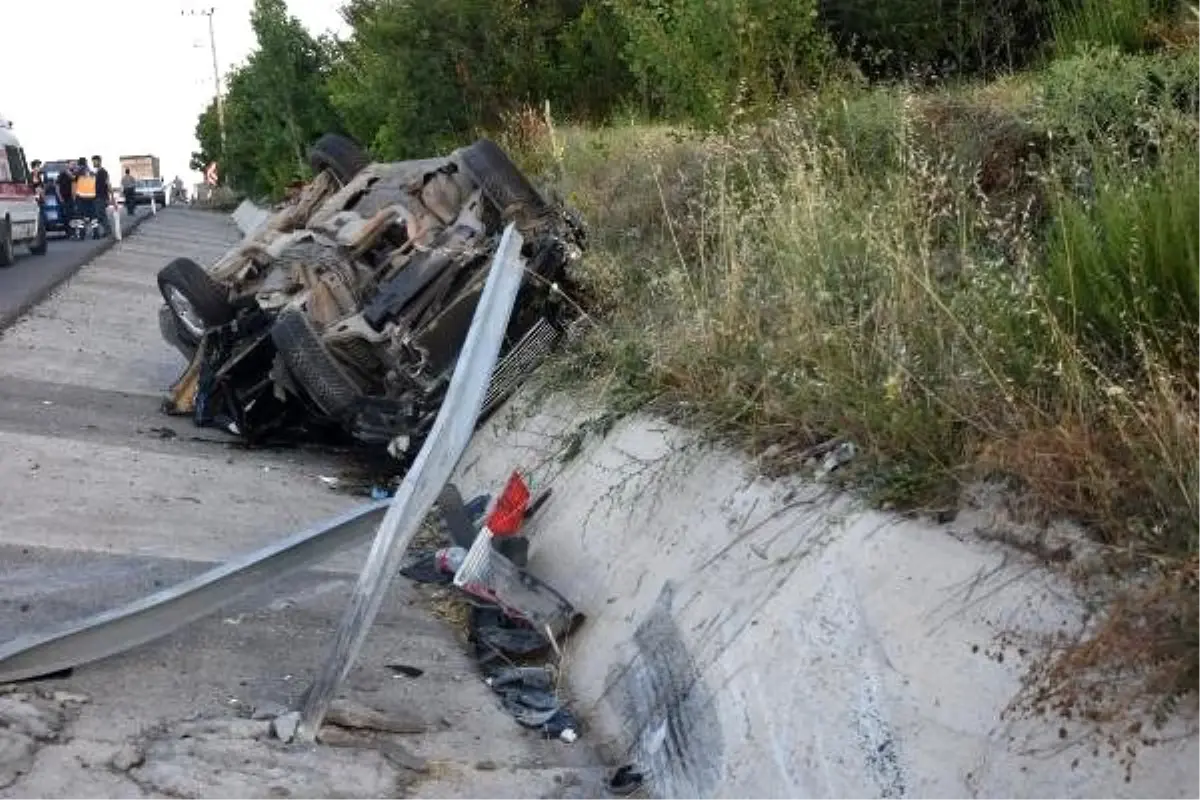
x=345 y=312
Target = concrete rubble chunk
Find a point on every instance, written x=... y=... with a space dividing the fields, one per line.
x=16 y=756
x=70 y=698
x=26 y=717
x=231 y=729
x=213 y=763
x=396 y=753
x=349 y=714
x=127 y=757
x=284 y=726
x=401 y=756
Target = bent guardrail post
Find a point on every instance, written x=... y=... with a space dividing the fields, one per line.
x=423 y=483
x=149 y=618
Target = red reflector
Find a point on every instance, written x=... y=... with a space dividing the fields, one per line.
x=509 y=513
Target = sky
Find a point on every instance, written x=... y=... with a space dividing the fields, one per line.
x=140 y=88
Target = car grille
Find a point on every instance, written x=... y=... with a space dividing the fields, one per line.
x=520 y=361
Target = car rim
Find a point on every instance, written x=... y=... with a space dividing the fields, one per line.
x=185 y=311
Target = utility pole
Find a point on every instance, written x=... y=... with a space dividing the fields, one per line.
x=212 y=46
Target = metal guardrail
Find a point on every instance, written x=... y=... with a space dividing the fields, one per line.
x=428 y=475
x=164 y=612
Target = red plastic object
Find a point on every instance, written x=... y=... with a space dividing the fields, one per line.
x=509 y=513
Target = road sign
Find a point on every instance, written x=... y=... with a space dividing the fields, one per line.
x=210 y=174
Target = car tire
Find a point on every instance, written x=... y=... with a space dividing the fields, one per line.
x=327 y=384
x=502 y=181
x=38 y=248
x=7 y=256
x=338 y=154
x=197 y=301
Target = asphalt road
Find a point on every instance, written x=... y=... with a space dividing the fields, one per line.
x=32 y=277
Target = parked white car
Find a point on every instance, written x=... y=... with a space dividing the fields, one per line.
x=20 y=220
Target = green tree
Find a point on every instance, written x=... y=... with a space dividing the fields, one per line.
x=275 y=105
x=421 y=75
x=702 y=59
x=940 y=36
x=208 y=135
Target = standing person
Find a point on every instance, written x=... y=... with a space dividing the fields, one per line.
x=35 y=177
x=104 y=195
x=129 y=189
x=63 y=190
x=38 y=182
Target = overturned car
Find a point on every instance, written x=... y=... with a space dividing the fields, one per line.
x=348 y=307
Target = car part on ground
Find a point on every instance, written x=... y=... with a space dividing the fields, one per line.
x=349 y=306
x=514 y=617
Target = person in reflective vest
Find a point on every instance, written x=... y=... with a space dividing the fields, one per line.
x=85 y=194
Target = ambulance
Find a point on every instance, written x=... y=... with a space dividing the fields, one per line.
x=20 y=220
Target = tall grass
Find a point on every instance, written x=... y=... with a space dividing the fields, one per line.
x=1125 y=24
x=834 y=274
x=1122 y=264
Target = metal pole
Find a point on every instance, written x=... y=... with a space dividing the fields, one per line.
x=212 y=42
x=425 y=479
x=212 y=46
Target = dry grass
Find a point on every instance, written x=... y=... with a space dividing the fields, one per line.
x=879 y=268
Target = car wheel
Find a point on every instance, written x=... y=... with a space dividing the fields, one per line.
x=7 y=256
x=338 y=154
x=197 y=301
x=38 y=248
x=503 y=183
x=312 y=366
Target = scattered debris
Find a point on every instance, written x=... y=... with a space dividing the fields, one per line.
x=449 y=560
x=406 y=670
x=485 y=766
x=527 y=693
x=490 y=576
x=839 y=456
x=268 y=710
x=512 y=615
x=625 y=781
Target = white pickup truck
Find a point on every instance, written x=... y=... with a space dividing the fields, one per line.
x=20 y=217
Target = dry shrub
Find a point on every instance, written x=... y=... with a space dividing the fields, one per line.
x=1130 y=667
x=529 y=133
